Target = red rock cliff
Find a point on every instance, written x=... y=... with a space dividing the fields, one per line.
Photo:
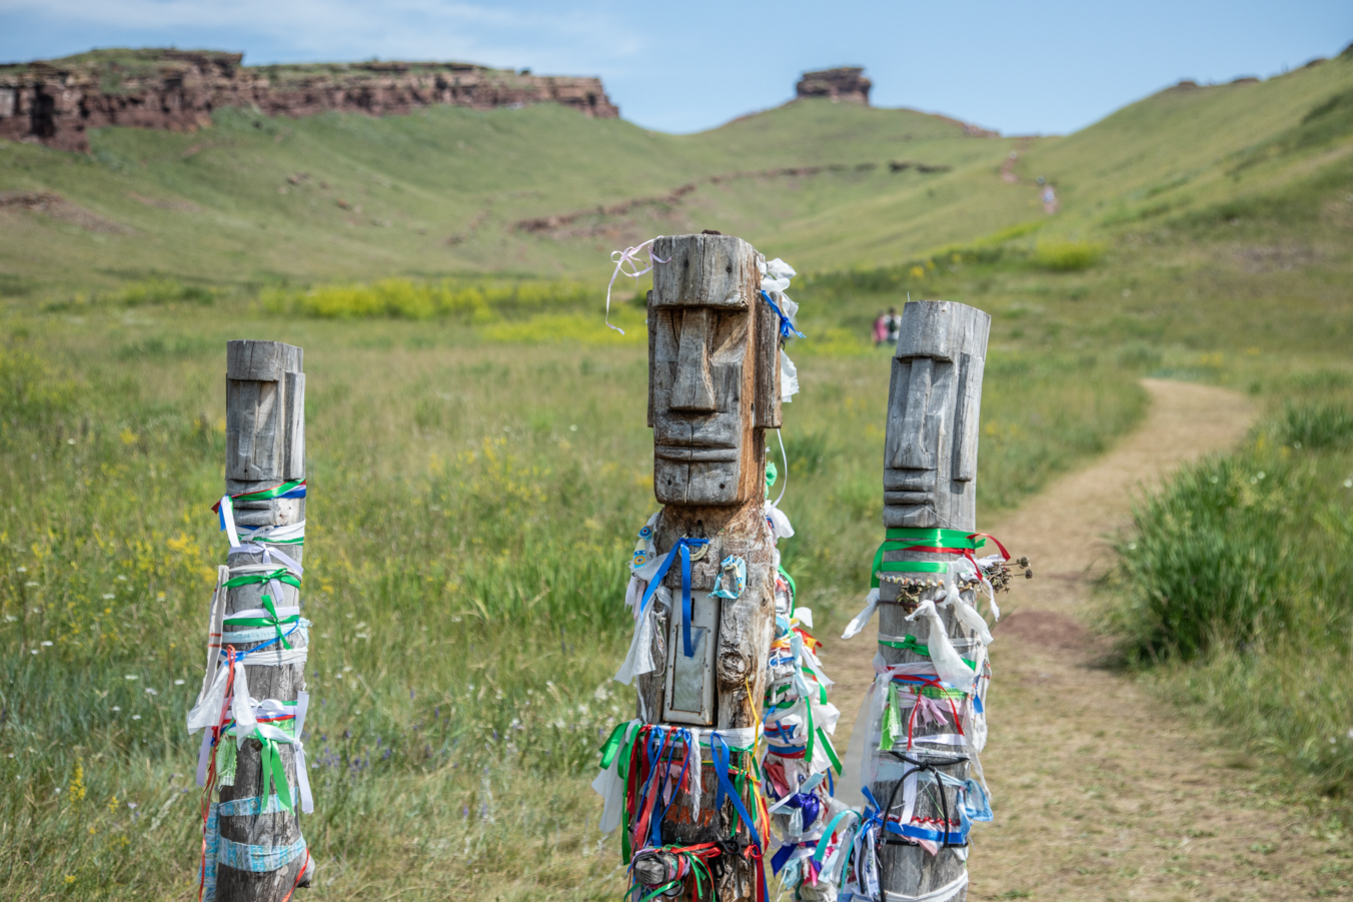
x=57 y=102
x=845 y=83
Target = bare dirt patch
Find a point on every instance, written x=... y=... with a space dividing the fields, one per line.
x=57 y=207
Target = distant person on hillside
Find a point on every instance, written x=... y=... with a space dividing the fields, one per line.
x=880 y=329
x=1050 y=204
x=894 y=326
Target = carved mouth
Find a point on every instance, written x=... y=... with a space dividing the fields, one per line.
x=696 y=454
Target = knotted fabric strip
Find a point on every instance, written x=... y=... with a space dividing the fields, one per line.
x=620 y=258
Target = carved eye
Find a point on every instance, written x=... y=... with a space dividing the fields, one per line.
x=721 y=485
x=729 y=270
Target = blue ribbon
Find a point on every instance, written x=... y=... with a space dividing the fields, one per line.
x=241 y=655
x=655 y=740
x=786 y=325
x=874 y=815
x=719 y=749
x=781 y=857
x=683 y=546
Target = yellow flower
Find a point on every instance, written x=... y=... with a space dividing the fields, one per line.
x=70 y=878
x=917 y=272
x=77 y=783
x=129 y=438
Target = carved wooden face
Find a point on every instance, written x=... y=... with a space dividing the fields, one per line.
x=710 y=371
x=934 y=399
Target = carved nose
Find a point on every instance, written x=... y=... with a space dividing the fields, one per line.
x=694 y=388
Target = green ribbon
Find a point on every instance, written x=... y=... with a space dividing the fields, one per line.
x=908 y=538
x=276 y=491
x=821 y=851
x=274 y=773
x=281 y=575
x=891 y=724
x=274 y=621
x=909 y=643
x=621 y=742
x=831 y=752
x=793 y=589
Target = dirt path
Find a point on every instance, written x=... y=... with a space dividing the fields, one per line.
x=1100 y=792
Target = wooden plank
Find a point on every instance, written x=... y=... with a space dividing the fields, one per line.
x=766 y=404
x=713 y=372
x=265 y=429
x=934 y=402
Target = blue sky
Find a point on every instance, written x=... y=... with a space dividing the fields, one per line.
x=1021 y=67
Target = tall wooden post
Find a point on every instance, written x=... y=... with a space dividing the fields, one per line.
x=714 y=388
x=265 y=448
x=929 y=482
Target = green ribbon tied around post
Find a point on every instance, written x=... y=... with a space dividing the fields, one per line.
x=272 y=619
x=274 y=773
x=928 y=541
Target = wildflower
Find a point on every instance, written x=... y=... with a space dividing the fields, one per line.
x=70 y=878
x=131 y=676
x=47 y=644
x=117 y=707
x=178 y=682
x=31 y=583
x=150 y=691
x=77 y=781
x=136 y=717
x=108 y=596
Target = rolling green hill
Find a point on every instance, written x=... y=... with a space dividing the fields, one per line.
x=444 y=191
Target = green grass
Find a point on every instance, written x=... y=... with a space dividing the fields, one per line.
x=478 y=472
x=255 y=201
x=470 y=516
x=1232 y=589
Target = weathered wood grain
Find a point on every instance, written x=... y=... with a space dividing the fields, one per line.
x=265 y=446
x=930 y=469
x=714 y=371
x=934 y=401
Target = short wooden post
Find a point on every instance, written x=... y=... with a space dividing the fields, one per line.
x=929 y=482
x=714 y=369
x=265 y=448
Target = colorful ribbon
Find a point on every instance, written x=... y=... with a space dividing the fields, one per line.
x=787 y=329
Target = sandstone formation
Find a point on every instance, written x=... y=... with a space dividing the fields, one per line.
x=845 y=83
x=57 y=102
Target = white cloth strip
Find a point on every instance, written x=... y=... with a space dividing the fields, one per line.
x=228 y=520
x=966 y=613
x=956 y=643
x=240 y=569
x=860 y=620
x=943 y=894
x=288 y=532
x=269 y=554
x=276 y=656
x=283 y=612
x=948 y=664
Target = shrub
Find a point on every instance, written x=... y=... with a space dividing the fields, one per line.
x=406 y=299
x=1206 y=560
x=1067 y=256
x=1316 y=425
x=162 y=291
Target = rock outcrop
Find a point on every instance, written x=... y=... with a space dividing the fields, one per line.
x=57 y=102
x=845 y=83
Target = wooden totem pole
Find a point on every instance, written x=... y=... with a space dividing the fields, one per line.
x=714 y=388
x=929 y=510
x=254 y=851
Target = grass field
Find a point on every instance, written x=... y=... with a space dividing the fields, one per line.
x=478 y=469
